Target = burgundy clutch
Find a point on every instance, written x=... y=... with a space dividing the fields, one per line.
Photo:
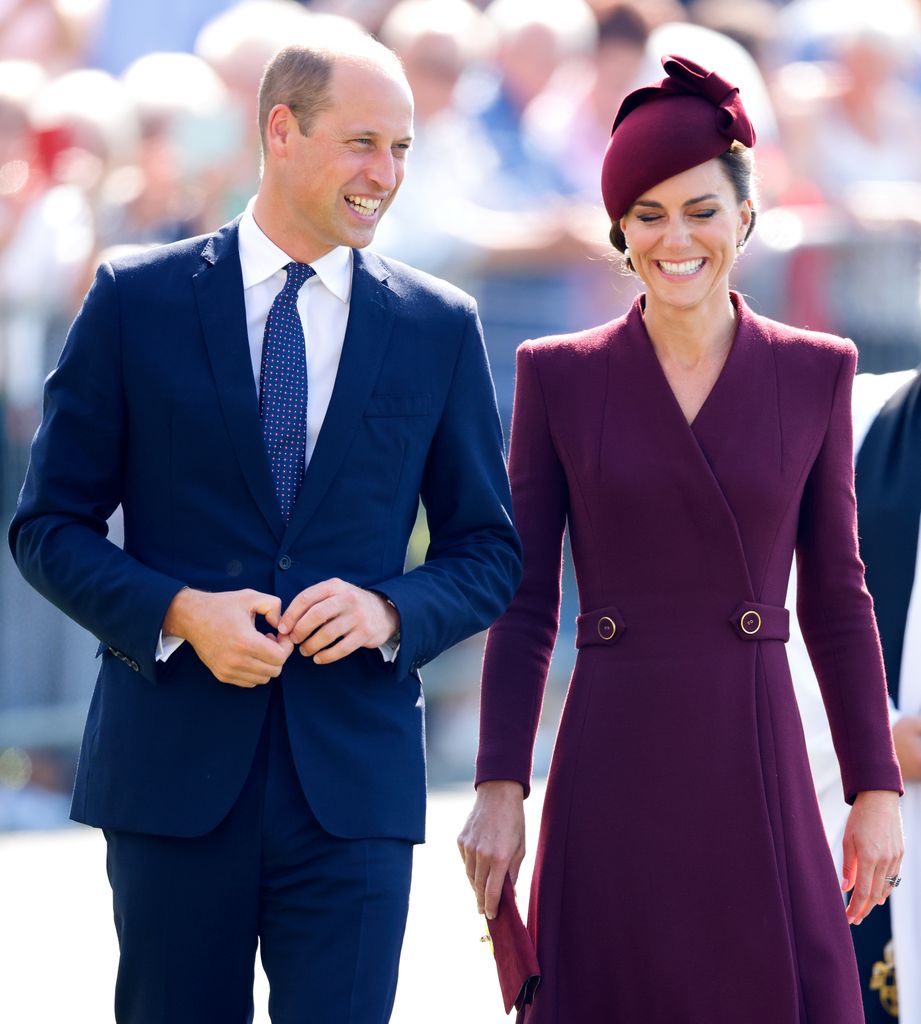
x=516 y=960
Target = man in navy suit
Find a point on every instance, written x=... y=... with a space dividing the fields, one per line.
x=254 y=746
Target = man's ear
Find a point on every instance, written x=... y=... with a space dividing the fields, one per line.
x=279 y=126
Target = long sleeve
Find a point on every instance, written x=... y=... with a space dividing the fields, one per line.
x=520 y=643
x=75 y=481
x=473 y=563
x=836 y=610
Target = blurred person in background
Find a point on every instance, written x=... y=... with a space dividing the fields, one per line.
x=67 y=133
x=570 y=119
x=753 y=24
x=887 y=443
x=64 y=136
x=237 y=44
x=656 y=12
x=23 y=169
x=125 y=30
x=453 y=160
x=254 y=748
x=535 y=40
x=529 y=289
x=53 y=33
x=79 y=126
x=457 y=164
x=189 y=145
x=570 y=124
x=20 y=183
x=691 y=447
x=850 y=116
x=853 y=117
x=369 y=14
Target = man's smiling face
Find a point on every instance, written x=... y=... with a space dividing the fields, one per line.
x=338 y=180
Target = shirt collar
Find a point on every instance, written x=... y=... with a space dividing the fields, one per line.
x=260 y=258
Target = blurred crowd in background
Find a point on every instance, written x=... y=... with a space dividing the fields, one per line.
x=133 y=123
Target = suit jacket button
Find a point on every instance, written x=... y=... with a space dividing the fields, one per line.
x=606 y=627
x=284 y=562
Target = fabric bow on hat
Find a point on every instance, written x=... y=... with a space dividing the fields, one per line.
x=731 y=117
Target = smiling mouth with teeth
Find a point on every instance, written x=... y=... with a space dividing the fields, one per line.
x=684 y=269
x=360 y=204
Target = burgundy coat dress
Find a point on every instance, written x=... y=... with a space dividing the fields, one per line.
x=682 y=874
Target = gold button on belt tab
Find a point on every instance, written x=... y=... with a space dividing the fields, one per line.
x=607 y=627
x=750 y=623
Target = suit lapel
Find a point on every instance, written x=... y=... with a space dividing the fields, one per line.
x=219 y=291
x=371 y=313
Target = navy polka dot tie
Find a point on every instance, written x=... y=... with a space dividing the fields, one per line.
x=283 y=389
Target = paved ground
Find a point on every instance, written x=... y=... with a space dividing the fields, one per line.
x=58 y=952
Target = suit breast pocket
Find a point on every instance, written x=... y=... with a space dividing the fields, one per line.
x=398 y=405
x=394 y=428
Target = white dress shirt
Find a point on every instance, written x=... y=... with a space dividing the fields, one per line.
x=323 y=304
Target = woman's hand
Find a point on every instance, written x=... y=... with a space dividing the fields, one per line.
x=491 y=842
x=873 y=850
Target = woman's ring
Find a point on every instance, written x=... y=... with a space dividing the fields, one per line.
x=893 y=880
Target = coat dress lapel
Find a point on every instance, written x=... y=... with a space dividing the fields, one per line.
x=700 y=457
x=219 y=290
x=739 y=431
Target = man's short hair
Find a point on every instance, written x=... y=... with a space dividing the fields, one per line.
x=299 y=76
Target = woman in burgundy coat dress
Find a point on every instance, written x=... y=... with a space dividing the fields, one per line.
x=692 y=447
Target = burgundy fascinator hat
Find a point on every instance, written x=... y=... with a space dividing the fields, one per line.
x=691 y=116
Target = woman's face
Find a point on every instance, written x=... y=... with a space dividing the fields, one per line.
x=683 y=234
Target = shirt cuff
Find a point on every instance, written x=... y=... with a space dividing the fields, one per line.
x=389 y=651
x=167 y=646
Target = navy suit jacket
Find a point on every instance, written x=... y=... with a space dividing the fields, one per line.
x=153 y=406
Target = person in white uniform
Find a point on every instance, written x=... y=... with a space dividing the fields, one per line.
x=887 y=445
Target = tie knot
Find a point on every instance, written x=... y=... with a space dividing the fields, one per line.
x=298 y=273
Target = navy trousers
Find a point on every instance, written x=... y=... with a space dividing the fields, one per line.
x=328 y=913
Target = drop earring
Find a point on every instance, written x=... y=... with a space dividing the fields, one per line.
x=628 y=263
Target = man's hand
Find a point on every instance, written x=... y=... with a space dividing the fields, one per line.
x=491 y=842
x=221 y=627
x=907 y=736
x=873 y=850
x=330 y=620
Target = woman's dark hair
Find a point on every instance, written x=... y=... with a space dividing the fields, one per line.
x=739 y=166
